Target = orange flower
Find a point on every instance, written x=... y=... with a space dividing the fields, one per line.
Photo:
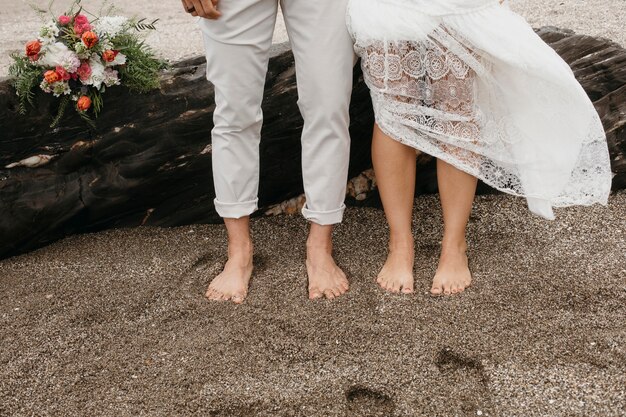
x=51 y=76
x=84 y=103
x=90 y=39
x=109 y=55
x=32 y=50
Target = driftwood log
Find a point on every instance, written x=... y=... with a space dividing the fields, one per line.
x=149 y=161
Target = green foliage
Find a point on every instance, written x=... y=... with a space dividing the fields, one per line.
x=26 y=77
x=85 y=116
x=64 y=102
x=141 y=72
x=97 y=102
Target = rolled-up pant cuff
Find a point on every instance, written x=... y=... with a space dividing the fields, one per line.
x=236 y=210
x=324 y=218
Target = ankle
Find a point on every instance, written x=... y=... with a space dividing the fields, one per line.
x=319 y=242
x=401 y=242
x=453 y=247
x=313 y=248
x=240 y=249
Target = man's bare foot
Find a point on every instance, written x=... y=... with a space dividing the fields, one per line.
x=397 y=273
x=232 y=283
x=453 y=275
x=326 y=279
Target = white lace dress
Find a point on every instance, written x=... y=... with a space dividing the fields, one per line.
x=469 y=82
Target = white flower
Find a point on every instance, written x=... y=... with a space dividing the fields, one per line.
x=49 y=32
x=61 y=88
x=111 y=77
x=53 y=55
x=45 y=86
x=111 y=26
x=97 y=72
x=106 y=44
x=70 y=61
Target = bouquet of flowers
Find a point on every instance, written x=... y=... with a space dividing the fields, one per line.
x=76 y=59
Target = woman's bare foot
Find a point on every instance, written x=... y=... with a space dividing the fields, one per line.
x=397 y=273
x=232 y=283
x=453 y=275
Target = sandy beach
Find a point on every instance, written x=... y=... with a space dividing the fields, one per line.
x=115 y=323
x=178 y=37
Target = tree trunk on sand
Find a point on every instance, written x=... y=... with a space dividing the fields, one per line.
x=149 y=161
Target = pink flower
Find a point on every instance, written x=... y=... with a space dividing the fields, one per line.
x=84 y=71
x=62 y=73
x=64 y=20
x=81 y=24
x=81 y=19
x=80 y=29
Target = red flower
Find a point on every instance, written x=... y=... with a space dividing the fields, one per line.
x=109 y=55
x=90 y=39
x=80 y=29
x=83 y=103
x=64 y=20
x=81 y=19
x=32 y=50
x=81 y=24
x=51 y=77
x=84 y=71
x=63 y=74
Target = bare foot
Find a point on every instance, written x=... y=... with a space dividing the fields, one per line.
x=453 y=275
x=232 y=283
x=397 y=273
x=326 y=279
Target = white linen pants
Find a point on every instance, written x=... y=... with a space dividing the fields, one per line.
x=237 y=47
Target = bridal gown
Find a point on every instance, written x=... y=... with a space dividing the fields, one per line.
x=469 y=82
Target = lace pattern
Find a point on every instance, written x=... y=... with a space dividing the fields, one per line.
x=444 y=97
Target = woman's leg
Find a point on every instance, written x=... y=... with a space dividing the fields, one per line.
x=394 y=164
x=456 y=190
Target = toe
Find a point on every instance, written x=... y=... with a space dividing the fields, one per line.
x=213 y=295
x=408 y=288
x=329 y=294
x=436 y=290
x=315 y=294
x=238 y=298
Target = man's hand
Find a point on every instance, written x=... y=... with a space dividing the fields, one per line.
x=203 y=8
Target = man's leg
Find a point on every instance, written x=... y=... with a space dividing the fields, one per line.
x=324 y=62
x=237 y=46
